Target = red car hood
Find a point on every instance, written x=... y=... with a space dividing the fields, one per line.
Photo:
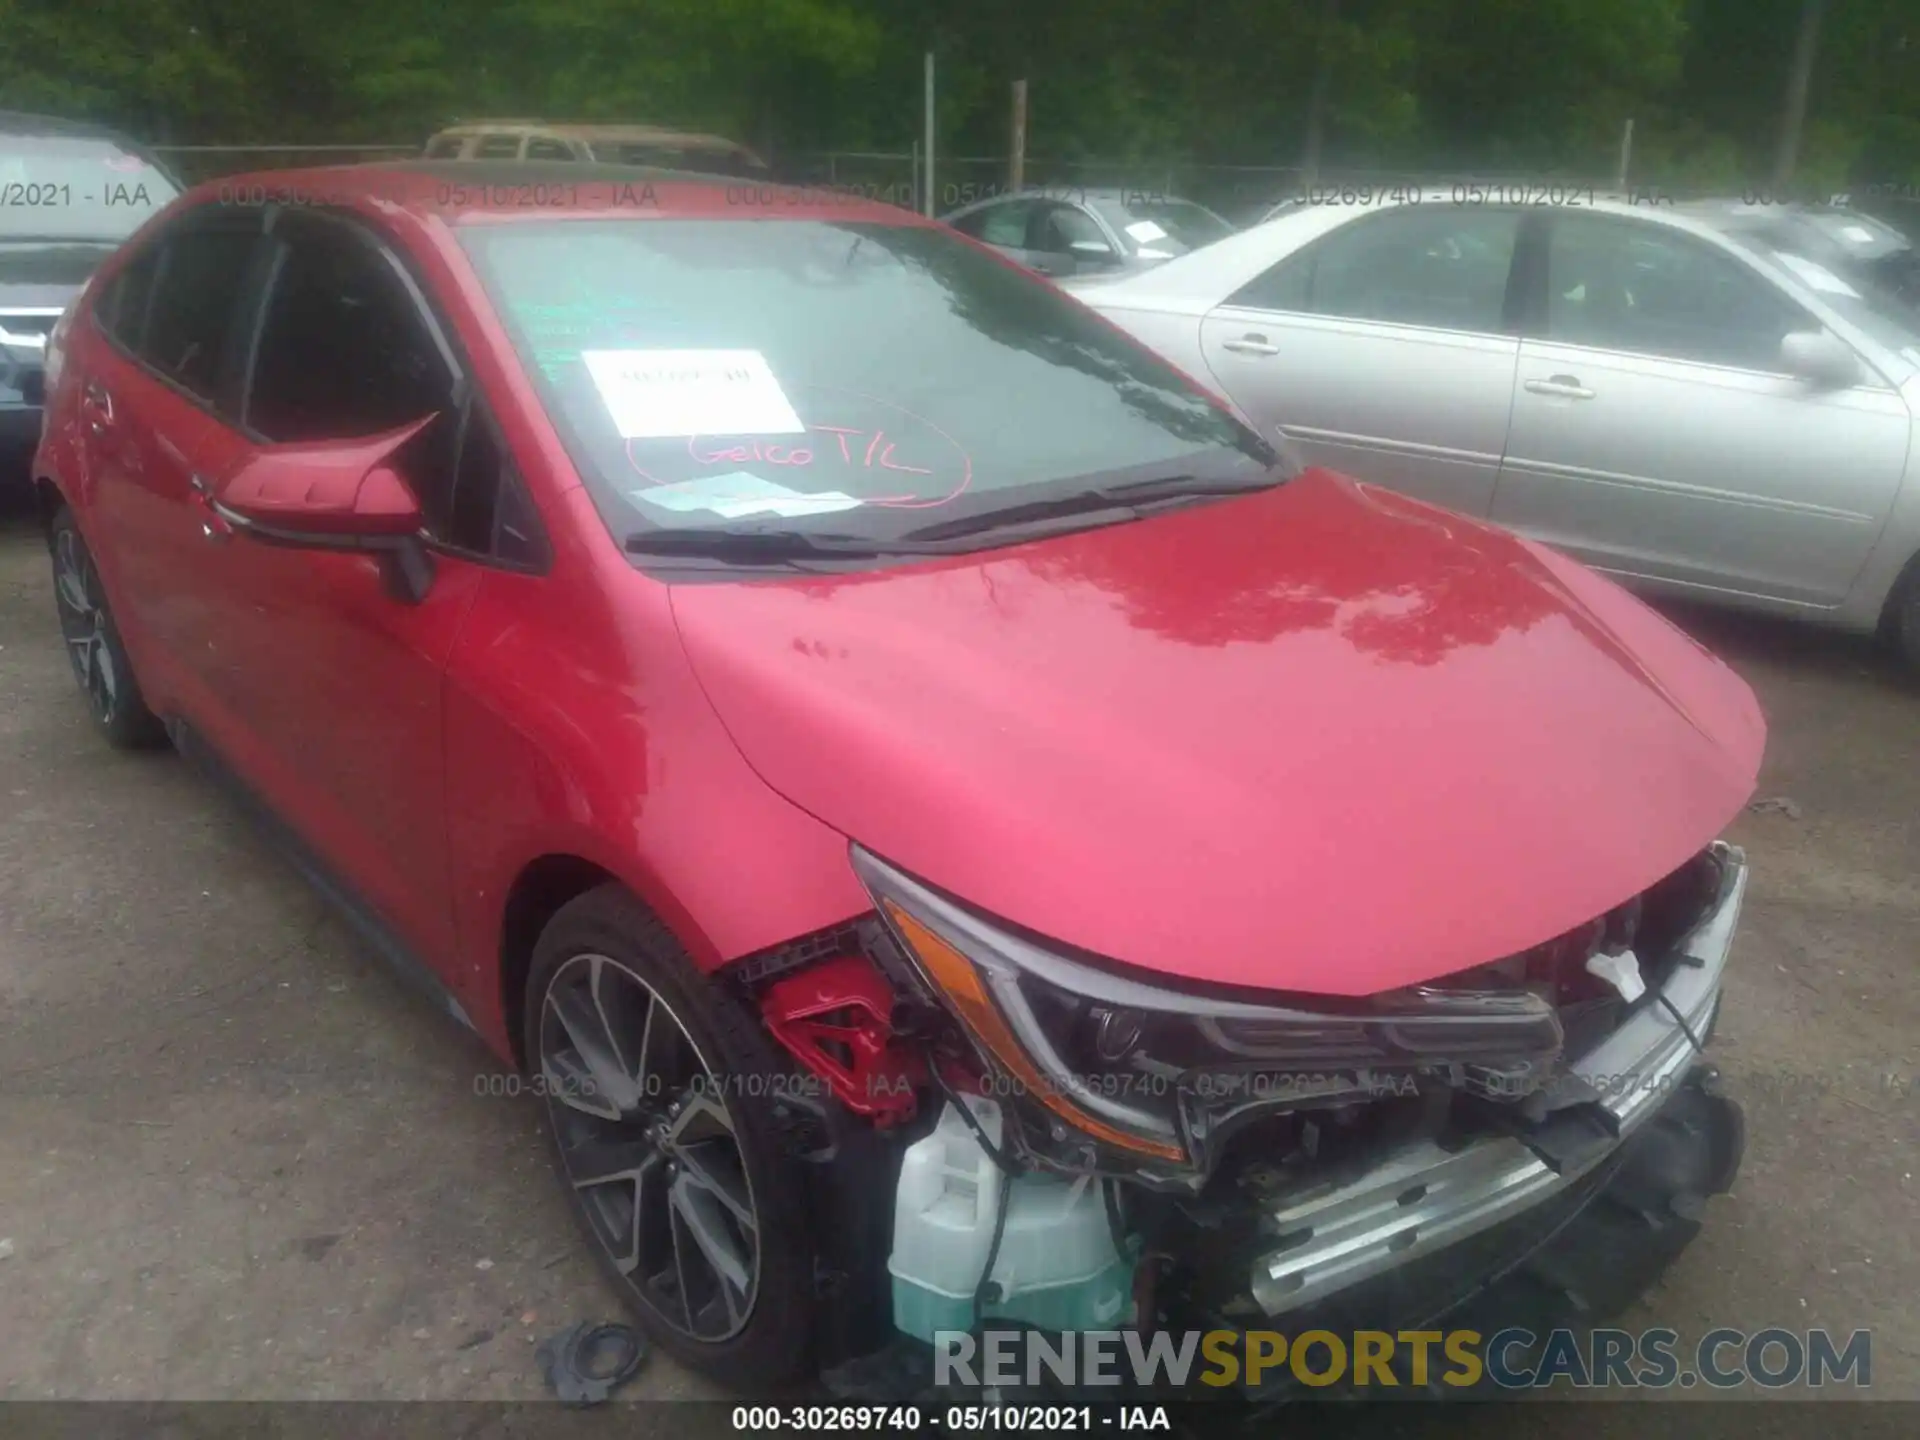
x=1323 y=738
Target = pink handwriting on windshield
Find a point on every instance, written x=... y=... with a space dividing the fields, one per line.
x=876 y=455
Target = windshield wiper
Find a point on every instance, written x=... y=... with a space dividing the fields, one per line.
x=1073 y=510
x=770 y=547
x=747 y=545
x=1127 y=502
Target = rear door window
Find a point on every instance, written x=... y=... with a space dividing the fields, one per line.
x=1438 y=268
x=498 y=147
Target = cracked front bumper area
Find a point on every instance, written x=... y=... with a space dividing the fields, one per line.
x=1424 y=1199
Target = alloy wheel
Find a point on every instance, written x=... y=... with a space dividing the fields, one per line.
x=648 y=1143
x=84 y=625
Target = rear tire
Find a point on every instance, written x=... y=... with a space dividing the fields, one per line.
x=99 y=659
x=657 y=1079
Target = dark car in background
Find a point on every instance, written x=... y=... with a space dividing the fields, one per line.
x=1861 y=250
x=1071 y=230
x=69 y=194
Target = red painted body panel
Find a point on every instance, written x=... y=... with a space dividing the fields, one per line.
x=576 y=727
x=1322 y=738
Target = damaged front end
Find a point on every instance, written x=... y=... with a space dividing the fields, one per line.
x=1259 y=1159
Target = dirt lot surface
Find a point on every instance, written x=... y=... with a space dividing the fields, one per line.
x=239 y=1160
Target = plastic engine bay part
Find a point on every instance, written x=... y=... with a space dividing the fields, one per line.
x=1581 y=1258
x=835 y=1018
x=586 y=1363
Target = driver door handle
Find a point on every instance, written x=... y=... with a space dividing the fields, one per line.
x=1251 y=345
x=1567 y=387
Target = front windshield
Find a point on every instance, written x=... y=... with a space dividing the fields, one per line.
x=1875 y=292
x=859 y=378
x=1155 y=224
x=62 y=187
x=1861 y=236
x=1877 y=309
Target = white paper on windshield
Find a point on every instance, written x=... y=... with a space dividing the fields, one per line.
x=1146 y=232
x=666 y=394
x=1817 y=277
x=737 y=494
x=1859 y=234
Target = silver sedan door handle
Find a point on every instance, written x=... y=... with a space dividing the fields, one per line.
x=1251 y=345
x=1568 y=387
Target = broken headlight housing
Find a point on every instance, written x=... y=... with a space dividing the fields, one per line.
x=1149 y=1074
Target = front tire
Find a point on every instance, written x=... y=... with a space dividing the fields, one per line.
x=1903 y=620
x=656 y=1087
x=99 y=659
x=1898 y=634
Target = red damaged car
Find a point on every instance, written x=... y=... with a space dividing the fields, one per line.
x=955 y=826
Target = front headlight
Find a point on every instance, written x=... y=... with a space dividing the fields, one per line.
x=1134 y=1065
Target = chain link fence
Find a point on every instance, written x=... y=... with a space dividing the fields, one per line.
x=1241 y=193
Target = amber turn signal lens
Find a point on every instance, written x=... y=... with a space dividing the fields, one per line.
x=961 y=984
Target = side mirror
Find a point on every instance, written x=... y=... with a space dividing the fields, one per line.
x=1820 y=358
x=1094 y=253
x=333 y=495
x=307 y=504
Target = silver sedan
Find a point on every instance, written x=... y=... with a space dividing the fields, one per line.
x=1064 y=230
x=1686 y=404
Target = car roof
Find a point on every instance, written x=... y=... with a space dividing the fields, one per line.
x=1111 y=193
x=1128 y=192
x=480 y=191
x=25 y=124
x=590 y=131
x=21 y=122
x=1863 y=235
x=1720 y=209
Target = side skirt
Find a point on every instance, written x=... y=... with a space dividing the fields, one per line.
x=365 y=922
